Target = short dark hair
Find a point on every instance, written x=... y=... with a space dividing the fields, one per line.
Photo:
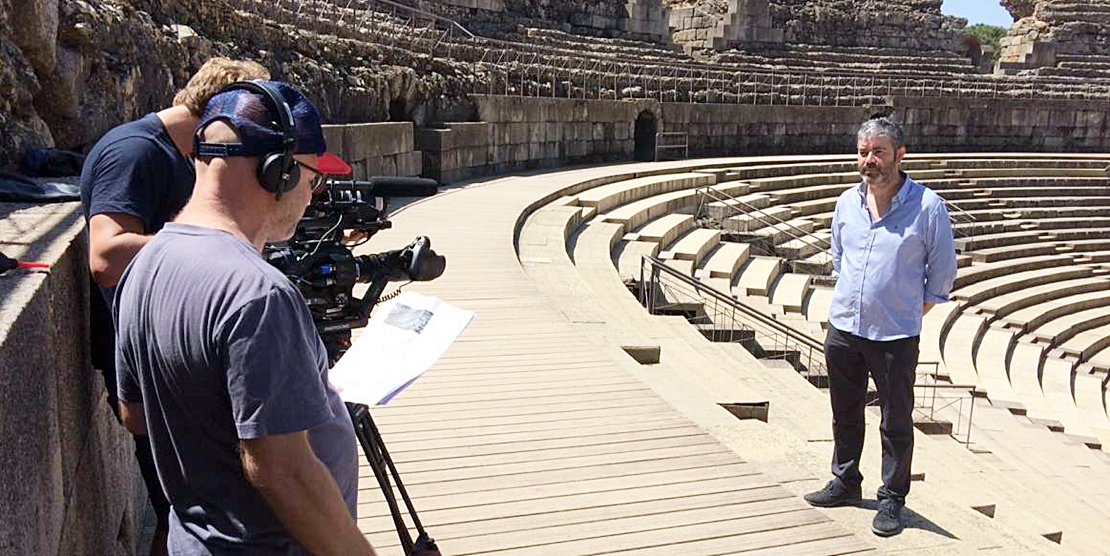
x=883 y=125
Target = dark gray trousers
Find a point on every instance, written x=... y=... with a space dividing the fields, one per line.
x=892 y=365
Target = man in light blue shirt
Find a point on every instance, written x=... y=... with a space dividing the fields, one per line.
x=894 y=258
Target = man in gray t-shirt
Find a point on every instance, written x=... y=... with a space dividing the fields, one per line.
x=218 y=358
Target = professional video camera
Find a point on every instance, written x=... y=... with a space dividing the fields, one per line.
x=325 y=270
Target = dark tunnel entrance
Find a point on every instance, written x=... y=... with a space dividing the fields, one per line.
x=645 y=135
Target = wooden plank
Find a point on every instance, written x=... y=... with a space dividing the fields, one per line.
x=394 y=424
x=480 y=482
x=450 y=469
x=467 y=409
x=738 y=489
x=519 y=499
x=529 y=440
x=681 y=510
x=568 y=425
x=622 y=535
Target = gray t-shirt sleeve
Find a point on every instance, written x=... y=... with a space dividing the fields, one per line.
x=274 y=375
x=127 y=382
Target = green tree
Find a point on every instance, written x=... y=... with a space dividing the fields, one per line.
x=988 y=34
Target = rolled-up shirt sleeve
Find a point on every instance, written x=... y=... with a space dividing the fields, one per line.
x=940 y=264
x=835 y=249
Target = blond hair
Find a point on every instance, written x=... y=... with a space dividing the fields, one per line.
x=213 y=76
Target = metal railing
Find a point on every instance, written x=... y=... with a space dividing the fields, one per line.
x=958 y=215
x=672 y=141
x=822 y=258
x=933 y=399
x=722 y=317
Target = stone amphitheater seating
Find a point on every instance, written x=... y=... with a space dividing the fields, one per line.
x=1044 y=409
x=536 y=61
x=1024 y=253
x=849 y=60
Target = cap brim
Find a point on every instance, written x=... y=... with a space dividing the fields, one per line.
x=332 y=165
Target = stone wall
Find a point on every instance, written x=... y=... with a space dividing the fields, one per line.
x=645 y=18
x=607 y=18
x=68 y=477
x=523 y=133
x=745 y=23
x=520 y=133
x=743 y=130
x=1020 y=125
x=375 y=149
x=903 y=24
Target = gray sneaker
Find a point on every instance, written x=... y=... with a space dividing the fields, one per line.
x=888 y=522
x=834 y=494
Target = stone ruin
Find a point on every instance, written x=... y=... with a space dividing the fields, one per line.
x=910 y=25
x=1066 y=38
x=719 y=25
x=69 y=74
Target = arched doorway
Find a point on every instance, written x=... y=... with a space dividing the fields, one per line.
x=646 y=129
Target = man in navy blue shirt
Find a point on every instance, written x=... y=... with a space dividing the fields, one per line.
x=219 y=359
x=135 y=179
x=894 y=258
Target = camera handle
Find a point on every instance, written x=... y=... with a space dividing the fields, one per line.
x=382 y=465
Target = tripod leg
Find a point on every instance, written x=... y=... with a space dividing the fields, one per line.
x=424 y=545
x=368 y=438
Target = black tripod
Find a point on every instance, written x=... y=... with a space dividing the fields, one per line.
x=383 y=467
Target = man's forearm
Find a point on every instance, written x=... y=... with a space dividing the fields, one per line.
x=108 y=260
x=310 y=506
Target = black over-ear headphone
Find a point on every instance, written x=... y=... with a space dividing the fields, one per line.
x=277 y=171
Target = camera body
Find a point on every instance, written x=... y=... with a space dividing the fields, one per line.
x=325 y=270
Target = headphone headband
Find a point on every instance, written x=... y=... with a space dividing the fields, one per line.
x=284 y=112
x=277 y=171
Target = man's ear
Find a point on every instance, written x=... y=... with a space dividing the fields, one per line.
x=901 y=154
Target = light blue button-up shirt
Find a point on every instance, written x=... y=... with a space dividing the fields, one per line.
x=888 y=269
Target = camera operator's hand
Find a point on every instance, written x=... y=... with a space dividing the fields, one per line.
x=353 y=237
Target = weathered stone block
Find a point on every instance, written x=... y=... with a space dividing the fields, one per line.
x=362 y=141
x=518 y=133
x=598 y=132
x=431 y=139
x=467 y=134
x=520 y=153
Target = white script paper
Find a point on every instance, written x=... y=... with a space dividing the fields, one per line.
x=405 y=336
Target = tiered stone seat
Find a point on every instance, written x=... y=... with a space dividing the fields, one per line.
x=1002 y=305
x=535 y=61
x=884 y=62
x=1027 y=265
x=606 y=197
x=599 y=245
x=758 y=275
x=724 y=262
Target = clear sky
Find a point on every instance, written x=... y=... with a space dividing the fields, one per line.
x=979 y=11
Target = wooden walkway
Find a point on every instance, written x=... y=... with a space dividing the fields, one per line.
x=527 y=438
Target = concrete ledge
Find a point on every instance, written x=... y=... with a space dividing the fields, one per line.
x=67 y=473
